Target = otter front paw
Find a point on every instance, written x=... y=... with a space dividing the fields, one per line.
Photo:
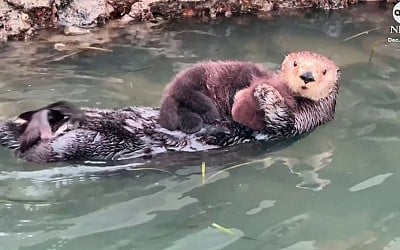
x=277 y=114
x=267 y=97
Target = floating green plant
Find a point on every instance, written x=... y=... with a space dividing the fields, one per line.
x=203 y=172
x=223 y=229
x=361 y=33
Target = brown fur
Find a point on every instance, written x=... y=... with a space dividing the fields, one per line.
x=289 y=83
x=245 y=109
x=209 y=91
x=204 y=93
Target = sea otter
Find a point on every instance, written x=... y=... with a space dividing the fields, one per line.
x=115 y=134
x=303 y=75
x=208 y=91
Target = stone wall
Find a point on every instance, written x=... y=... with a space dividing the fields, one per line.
x=19 y=19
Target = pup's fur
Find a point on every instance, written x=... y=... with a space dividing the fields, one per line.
x=205 y=93
x=245 y=109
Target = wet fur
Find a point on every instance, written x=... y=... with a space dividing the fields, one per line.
x=40 y=124
x=324 y=70
x=245 y=109
x=136 y=131
x=210 y=91
x=204 y=93
x=290 y=86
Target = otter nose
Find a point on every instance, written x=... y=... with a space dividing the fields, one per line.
x=307 y=77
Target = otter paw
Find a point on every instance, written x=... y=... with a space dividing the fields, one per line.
x=268 y=99
x=267 y=94
x=46 y=134
x=191 y=125
x=211 y=116
x=189 y=122
x=28 y=139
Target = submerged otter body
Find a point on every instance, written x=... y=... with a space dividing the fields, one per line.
x=114 y=134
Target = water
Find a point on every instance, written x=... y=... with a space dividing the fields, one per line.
x=335 y=189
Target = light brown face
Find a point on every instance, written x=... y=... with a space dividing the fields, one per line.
x=309 y=74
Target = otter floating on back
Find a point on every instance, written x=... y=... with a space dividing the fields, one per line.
x=113 y=134
x=210 y=91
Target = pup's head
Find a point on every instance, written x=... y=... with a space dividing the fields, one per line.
x=309 y=74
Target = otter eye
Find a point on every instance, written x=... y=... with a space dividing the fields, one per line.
x=295 y=63
x=324 y=72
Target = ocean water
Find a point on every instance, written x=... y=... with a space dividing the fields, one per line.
x=334 y=189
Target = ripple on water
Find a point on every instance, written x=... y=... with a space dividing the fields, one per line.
x=215 y=240
x=393 y=245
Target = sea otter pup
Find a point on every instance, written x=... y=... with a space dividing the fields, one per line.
x=206 y=92
x=307 y=75
x=40 y=124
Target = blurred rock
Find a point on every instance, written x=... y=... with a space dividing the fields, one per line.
x=14 y=24
x=75 y=31
x=84 y=13
x=29 y=4
x=20 y=18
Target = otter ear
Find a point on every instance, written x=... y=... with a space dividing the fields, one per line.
x=286 y=53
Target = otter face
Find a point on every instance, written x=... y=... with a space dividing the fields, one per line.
x=310 y=75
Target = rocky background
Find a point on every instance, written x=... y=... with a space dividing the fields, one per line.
x=21 y=19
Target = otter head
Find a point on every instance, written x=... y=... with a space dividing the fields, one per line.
x=310 y=75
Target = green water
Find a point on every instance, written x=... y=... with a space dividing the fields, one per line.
x=335 y=189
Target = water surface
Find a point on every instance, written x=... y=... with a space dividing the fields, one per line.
x=335 y=189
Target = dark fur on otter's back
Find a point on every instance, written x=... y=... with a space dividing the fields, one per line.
x=204 y=93
x=116 y=134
